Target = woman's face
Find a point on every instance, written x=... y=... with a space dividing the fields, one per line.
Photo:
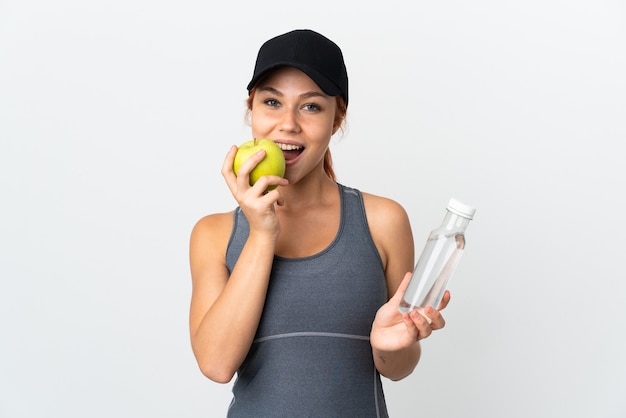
x=291 y=110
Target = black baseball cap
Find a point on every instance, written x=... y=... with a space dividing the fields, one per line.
x=310 y=52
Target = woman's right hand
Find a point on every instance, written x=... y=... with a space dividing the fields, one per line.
x=257 y=205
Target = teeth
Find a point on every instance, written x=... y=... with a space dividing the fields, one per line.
x=289 y=147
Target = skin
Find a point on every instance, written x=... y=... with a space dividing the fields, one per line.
x=299 y=218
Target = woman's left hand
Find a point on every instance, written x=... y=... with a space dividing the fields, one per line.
x=393 y=331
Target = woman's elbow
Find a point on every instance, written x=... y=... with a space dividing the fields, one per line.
x=216 y=373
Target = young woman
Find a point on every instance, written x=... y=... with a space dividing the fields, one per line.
x=296 y=291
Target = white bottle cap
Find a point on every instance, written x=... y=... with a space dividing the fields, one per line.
x=461 y=209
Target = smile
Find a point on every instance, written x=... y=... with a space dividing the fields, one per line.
x=290 y=151
x=290 y=147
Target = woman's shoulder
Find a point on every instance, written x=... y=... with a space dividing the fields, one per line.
x=375 y=203
x=213 y=228
x=391 y=231
x=384 y=208
x=385 y=216
x=215 y=220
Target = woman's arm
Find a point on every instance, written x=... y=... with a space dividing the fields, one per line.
x=394 y=336
x=226 y=308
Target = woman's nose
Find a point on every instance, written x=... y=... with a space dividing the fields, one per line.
x=289 y=121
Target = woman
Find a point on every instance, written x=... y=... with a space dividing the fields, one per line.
x=297 y=289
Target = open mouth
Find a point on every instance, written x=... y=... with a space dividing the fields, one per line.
x=290 y=151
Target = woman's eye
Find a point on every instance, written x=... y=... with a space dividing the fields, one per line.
x=311 y=107
x=271 y=102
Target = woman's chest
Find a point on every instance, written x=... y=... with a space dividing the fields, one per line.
x=307 y=236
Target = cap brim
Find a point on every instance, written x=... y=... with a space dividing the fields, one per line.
x=324 y=83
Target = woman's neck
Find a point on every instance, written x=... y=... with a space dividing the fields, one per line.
x=310 y=191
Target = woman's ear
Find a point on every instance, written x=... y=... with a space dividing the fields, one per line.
x=337 y=127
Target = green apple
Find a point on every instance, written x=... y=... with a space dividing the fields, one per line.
x=272 y=165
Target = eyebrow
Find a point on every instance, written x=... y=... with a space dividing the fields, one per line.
x=307 y=95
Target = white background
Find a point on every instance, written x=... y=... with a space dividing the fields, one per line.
x=114 y=120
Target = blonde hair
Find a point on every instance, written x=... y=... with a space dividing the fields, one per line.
x=339 y=123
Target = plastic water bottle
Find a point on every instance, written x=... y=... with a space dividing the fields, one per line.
x=439 y=259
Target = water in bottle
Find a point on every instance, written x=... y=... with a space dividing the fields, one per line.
x=438 y=260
